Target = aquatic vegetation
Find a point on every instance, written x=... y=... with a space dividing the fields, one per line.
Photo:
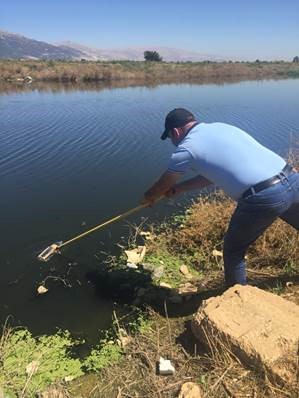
x=28 y=364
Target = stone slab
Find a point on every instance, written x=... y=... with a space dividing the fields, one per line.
x=261 y=328
x=190 y=390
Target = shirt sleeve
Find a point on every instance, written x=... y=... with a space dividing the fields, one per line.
x=180 y=161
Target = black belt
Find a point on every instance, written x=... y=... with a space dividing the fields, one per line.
x=286 y=171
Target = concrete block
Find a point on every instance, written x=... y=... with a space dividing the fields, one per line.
x=261 y=328
x=165 y=367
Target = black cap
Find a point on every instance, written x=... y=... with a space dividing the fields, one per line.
x=178 y=117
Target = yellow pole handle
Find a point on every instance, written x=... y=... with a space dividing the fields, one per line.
x=119 y=217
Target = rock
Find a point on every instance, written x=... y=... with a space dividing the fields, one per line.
x=123 y=341
x=165 y=285
x=52 y=392
x=184 y=270
x=187 y=289
x=148 y=267
x=261 y=328
x=190 y=390
x=165 y=367
x=158 y=272
x=123 y=338
x=217 y=253
x=135 y=256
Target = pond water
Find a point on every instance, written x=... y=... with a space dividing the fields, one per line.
x=70 y=159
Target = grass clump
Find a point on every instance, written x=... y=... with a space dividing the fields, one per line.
x=105 y=354
x=171 y=266
x=28 y=365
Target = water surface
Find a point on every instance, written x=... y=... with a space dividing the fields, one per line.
x=72 y=159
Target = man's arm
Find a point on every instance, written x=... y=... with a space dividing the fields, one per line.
x=197 y=182
x=159 y=189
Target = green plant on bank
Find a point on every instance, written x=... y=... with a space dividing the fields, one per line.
x=290 y=268
x=278 y=289
x=141 y=323
x=109 y=350
x=171 y=266
x=28 y=365
x=103 y=355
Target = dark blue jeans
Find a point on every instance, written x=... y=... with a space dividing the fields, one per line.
x=253 y=215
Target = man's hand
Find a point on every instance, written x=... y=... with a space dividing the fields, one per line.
x=148 y=202
x=160 y=188
x=174 y=191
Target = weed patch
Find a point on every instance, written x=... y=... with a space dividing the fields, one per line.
x=28 y=365
x=100 y=357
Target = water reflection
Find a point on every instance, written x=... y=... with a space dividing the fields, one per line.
x=53 y=87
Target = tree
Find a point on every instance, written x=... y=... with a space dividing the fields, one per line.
x=152 y=56
x=296 y=59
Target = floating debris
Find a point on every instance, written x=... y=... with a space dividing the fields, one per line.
x=42 y=289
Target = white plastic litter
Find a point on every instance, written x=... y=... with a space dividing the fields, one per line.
x=165 y=367
x=131 y=265
x=42 y=289
x=135 y=256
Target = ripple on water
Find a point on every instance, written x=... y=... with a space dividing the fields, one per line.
x=69 y=157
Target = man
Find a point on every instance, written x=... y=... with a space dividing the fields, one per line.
x=261 y=182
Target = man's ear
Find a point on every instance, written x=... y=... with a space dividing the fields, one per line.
x=176 y=132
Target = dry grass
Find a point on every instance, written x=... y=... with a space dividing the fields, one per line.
x=216 y=370
x=12 y=70
x=203 y=230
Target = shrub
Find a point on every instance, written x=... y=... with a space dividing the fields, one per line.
x=152 y=56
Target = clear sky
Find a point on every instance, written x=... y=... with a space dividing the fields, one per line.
x=242 y=29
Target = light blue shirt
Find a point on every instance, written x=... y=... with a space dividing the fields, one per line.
x=227 y=156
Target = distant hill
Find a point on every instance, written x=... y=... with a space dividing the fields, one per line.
x=136 y=53
x=14 y=46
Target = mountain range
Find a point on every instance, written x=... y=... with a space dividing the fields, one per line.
x=15 y=46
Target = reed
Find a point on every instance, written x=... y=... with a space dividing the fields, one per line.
x=91 y=71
